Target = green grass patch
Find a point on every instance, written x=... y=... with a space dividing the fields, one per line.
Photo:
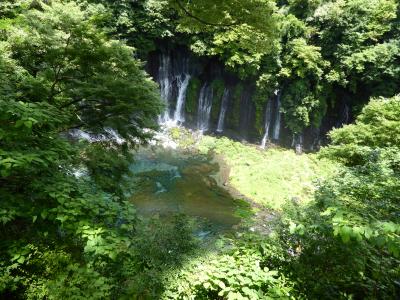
x=269 y=177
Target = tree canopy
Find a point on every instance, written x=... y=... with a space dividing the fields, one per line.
x=60 y=71
x=76 y=103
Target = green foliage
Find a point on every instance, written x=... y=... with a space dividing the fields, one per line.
x=63 y=232
x=319 y=47
x=316 y=46
x=302 y=59
x=61 y=276
x=140 y=23
x=73 y=64
x=349 y=238
x=299 y=104
x=231 y=30
x=303 y=67
x=375 y=130
x=354 y=44
x=107 y=165
x=161 y=248
x=236 y=271
x=362 y=39
x=67 y=229
x=370 y=149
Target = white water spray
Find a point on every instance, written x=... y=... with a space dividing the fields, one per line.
x=268 y=116
x=183 y=83
x=277 y=125
x=224 y=106
x=164 y=79
x=204 y=108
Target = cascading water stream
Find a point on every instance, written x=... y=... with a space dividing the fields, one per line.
x=204 y=108
x=183 y=83
x=268 y=117
x=164 y=79
x=344 y=116
x=176 y=70
x=224 y=106
x=277 y=125
x=297 y=143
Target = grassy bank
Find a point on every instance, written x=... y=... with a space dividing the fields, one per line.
x=269 y=177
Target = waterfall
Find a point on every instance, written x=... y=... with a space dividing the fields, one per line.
x=224 y=106
x=297 y=143
x=204 y=108
x=277 y=125
x=164 y=79
x=344 y=116
x=183 y=83
x=316 y=141
x=268 y=116
x=109 y=135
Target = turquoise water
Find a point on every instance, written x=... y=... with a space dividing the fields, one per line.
x=170 y=182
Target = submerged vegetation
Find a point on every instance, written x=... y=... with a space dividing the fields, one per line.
x=76 y=104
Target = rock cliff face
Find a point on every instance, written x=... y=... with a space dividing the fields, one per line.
x=200 y=94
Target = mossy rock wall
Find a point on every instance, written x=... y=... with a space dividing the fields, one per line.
x=233 y=113
x=218 y=86
x=260 y=100
x=192 y=98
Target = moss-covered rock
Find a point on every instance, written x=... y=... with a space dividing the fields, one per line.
x=192 y=97
x=182 y=137
x=260 y=99
x=233 y=114
x=218 y=86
